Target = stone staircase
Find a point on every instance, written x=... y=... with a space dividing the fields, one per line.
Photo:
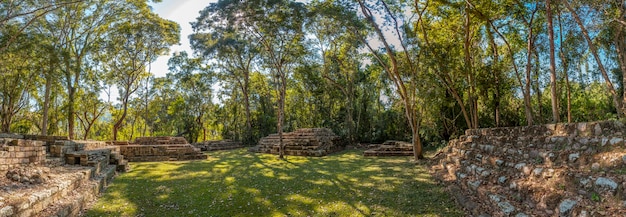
x=390 y=148
x=53 y=177
x=315 y=142
x=545 y=170
x=67 y=191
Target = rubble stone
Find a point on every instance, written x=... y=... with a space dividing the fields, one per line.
x=542 y=170
x=566 y=206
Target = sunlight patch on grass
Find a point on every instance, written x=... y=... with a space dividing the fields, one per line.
x=239 y=183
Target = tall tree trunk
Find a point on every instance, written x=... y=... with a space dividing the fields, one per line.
x=565 y=63
x=473 y=105
x=529 y=50
x=538 y=91
x=620 y=47
x=527 y=104
x=246 y=99
x=281 y=113
x=555 y=105
x=46 y=102
x=70 y=111
x=496 y=78
x=594 y=51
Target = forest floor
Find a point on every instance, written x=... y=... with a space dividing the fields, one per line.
x=239 y=183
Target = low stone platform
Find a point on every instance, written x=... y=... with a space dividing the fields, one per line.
x=314 y=142
x=216 y=145
x=390 y=148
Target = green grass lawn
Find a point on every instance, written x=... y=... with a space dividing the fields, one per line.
x=239 y=183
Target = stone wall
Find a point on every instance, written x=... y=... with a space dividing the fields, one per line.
x=160 y=140
x=545 y=170
x=142 y=153
x=216 y=145
x=19 y=152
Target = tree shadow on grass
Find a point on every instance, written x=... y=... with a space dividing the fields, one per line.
x=238 y=183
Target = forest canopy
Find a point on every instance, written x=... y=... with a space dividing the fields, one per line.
x=370 y=70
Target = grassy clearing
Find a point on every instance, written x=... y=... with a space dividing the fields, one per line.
x=238 y=183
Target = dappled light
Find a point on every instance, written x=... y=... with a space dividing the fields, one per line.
x=237 y=183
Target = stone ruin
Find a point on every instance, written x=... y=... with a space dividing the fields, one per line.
x=315 y=142
x=161 y=148
x=546 y=170
x=216 y=145
x=390 y=148
x=53 y=176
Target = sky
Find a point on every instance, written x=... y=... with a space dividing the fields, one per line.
x=182 y=12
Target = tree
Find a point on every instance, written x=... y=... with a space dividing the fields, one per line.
x=392 y=67
x=18 y=72
x=233 y=50
x=594 y=51
x=194 y=81
x=135 y=43
x=553 y=92
x=333 y=27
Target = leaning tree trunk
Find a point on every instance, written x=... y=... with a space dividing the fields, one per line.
x=594 y=51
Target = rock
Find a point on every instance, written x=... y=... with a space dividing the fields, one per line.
x=615 y=141
x=583 y=141
x=520 y=166
x=537 y=171
x=585 y=182
x=513 y=186
x=606 y=184
x=566 y=206
x=504 y=206
x=474 y=184
x=597 y=130
x=500 y=162
x=521 y=214
x=583 y=213
x=573 y=157
x=604 y=141
x=460 y=175
x=595 y=166
x=502 y=179
x=624 y=159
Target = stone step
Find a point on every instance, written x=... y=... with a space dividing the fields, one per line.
x=76 y=201
x=67 y=180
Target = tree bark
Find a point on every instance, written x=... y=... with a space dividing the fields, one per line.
x=46 y=103
x=529 y=48
x=473 y=105
x=620 y=47
x=555 y=105
x=565 y=63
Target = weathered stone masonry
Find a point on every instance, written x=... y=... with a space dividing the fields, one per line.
x=545 y=170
